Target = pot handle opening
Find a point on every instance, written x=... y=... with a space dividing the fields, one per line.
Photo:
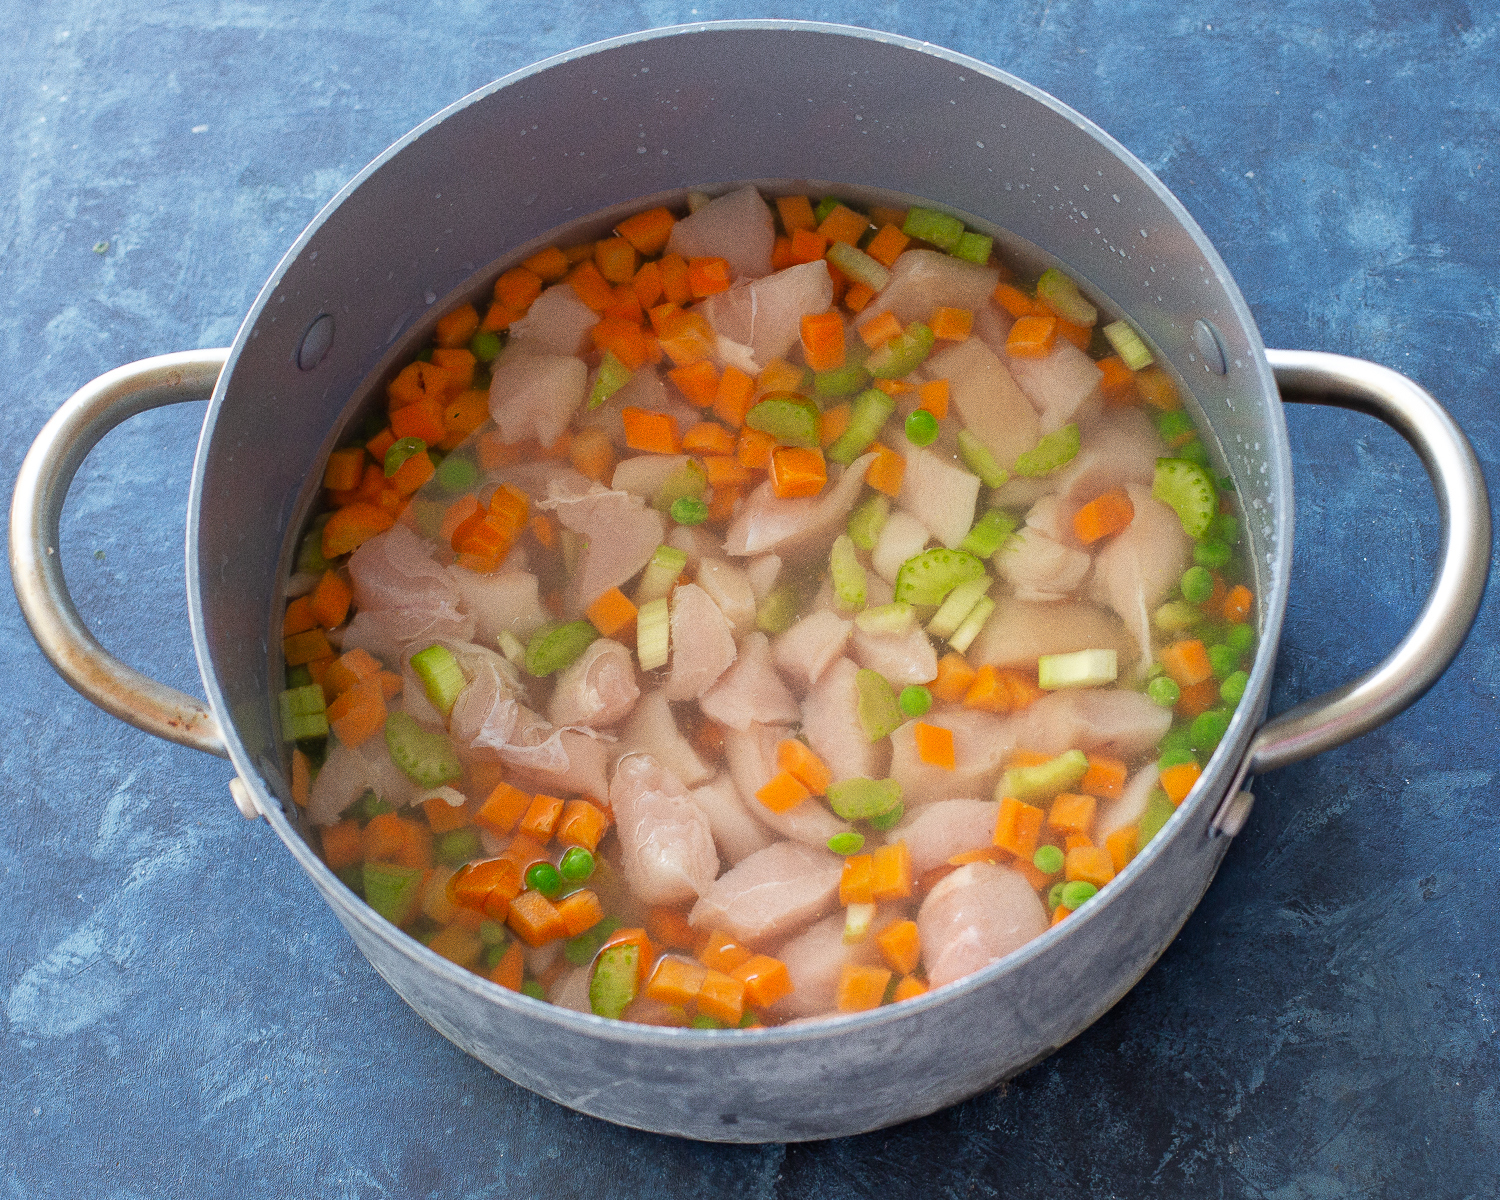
x=1329 y=720
x=36 y=567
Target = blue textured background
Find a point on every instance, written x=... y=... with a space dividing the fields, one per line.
x=179 y=1016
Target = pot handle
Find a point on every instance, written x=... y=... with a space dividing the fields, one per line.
x=1329 y=720
x=36 y=568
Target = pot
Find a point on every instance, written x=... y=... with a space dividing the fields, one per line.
x=596 y=131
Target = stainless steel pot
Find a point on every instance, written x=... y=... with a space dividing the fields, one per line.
x=643 y=117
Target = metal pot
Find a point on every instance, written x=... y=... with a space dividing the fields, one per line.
x=645 y=117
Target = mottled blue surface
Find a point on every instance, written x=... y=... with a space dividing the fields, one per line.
x=179 y=1016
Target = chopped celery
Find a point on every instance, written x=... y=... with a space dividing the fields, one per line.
x=1175 y=428
x=689 y=480
x=660 y=574
x=393 y=891
x=704 y=1021
x=442 y=678
x=857 y=921
x=866 y=521
x=979 y=460
x=824 y=206
x=298 y=677
x=777 y=612
x=616 y=977
x=894 y=618
x=613 y=375
x=841 y=381
x=555 y=646
x=1056 y=449
x=1128 y=345
x=860 y=799
x=1176 y=615
x=943 y=231
x=353 y=878
x=1061 y=295
x=303 y=713
x=1189 y=491
x=458 y=473
x=687 y=510
x=858 y=265
x=653 y=634
x=457 y=846
x=791 y=420
x=990 y=532
x=534 y=989
x=1158 y=812
x=1045 y=780
x=872 y=408
x=903 y=354
x=1195 y=452
x=396 y=456
x=580 y=949
x=367 y=806
x=960 y=602
x=1080 y=668
x=847 y=843
x=928 y=577
x=879 y=714
x=974 y=248
x=512 y=647
x=848 y=574
x=881 y=822
x=310 y=560
x=963 y=637
x=425 y=756
x=573 y=544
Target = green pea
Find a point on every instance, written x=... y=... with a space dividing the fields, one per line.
x=485 y=345
x=1208 y=729
x=1195 y=452
x=1223 y=660
x=687 y=510
x=1054 y=897
x=493 y=954
x=1176 y=739
x=1233 y=689
x=1048 y=860
x=492 y=933
x=1210 y=552
x=704 y=1021
x=1163 y=691
x=1175 y=758
x=1077 y=893
x=914 y=700
x=544 y=878
x=846 y=843
x=1197 y=585
x=1226 y=528
x=457 y=473
x=921 y=428
x=577 y=864
x=1240 y=638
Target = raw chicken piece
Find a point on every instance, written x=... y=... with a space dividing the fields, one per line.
x=765 y=316
x=736 y=226
x=646 y=389
x=484 y=716
x=923 y=280
x=763 y=571
x=750 y=692
x=771 y=893
x=653 y=730
x=940 y=494
x=346 y=775
x=981 y=742
x=936 y=832
x=666 y=845
x=736 y=832
x=643 y=474
x=727 y=584
x=557 y=322
x=392 y=634
x=1039 y=568
x=555 y=761
x=507 y=600
x=814 y=961
x=1139 y=566
x=622 y=536
x=830 y=721
x=752 y=763
x=796 y=528
x=987 y=400
x=395 y=570
x=1051 y=518
x=598 y=689
x=1021 y=631
x=1064 y=386
x=975 y=916
x=1121 y=447
x=901 y=537
x=533 y=395
x=992 y=326
x=697 y=543
x=1112 y=721
x=903 y=658
x=804 y=651
x=702 y=643
x=1131 y=806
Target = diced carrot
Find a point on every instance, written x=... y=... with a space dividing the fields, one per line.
x=1060 y=913
x=670 y=929
x=443 y=817
x=754 y=449
x=510 y=971
x=796 y=212
x=352 y=526
x=698 y=381
x=1178 y=781
x=782 y=793
x=832 y=423
x=648 y=231
x=459 y=362
x=541 y=817
x=823 y=340
x=676 y=980
x=299 y=617
x=1092 y=864
x=890 y=869
x=520 y=286
x=488 y=886
x=1198 y=698
x=1072 y=813
x=989 y=854
x=458 y=944
x=591 y=286
x=720 y=952
x=909 y=988
x=550 y=265
x=886 y=246
x=1001 y=690
x=878 y=332
x=582 y=824
x=861 y=988
x=1157 y=389
x=778 y=375
x=358 y=714
x=1103 y=516
x=344 y=470
x=807 y=246
x=1079 y=335
x=500 y=316
x=1018 y=827
x=952 y=324
x=651 y=431
x=1121 y=845
x=504 y=807
x=303 y=648
x=887 y=471
x=721 y=503
x=413 y=473
x=796 y=472
x=765 y=979
x=1216 y=598
x=1186 y=662
x=1237 y=603
x=301 y=778
x=535 y=919
x=781 y=253
x=647 y=285
x=419 y=381
x=616 y=259
x=857 y=296
x=722 y=997
x=1026 y=868
x=708 y=437
x=857 y=882
x=343 y=845
x=1118 y=384
x=708 y=276
x=462 y=415
x=612 y=612
x=627 y=341
x=419 y=419
x=954 y=677
x=734 y=397
x=901 y=946
x=392 y=838
x=1016 y=302
x=674 y=278
x=802 y=764
x=1105 y=778
x=579 y=912
x=723 y=471
x=934 y=397
x=934 y=745
x=348 y=669
x=843 y=224
x=1031 y=337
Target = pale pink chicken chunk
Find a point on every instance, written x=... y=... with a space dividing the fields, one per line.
x=552 y=760
x=736 y=832
x=1131 y=806
x=1039 y=568
x=736 y=226
x=1064 y=386
x=727 y=584
x=771 y=894
x=1110 y=720
x=622 y=534
x=1139 y=566
x=1121 y=447
x=666 y=844
x=598 y=689
x=940 y=494
x=507 y=600
x=557 y=322
x=903 y=658
x=814 y=960
x=804 y=651
x=987 y=400
x=702 y=643
x=936 y=832
x=652 y=729
x=750 y=692
x=981 y=742
x=1021 y=631
x=533 y=394
x=924 y=280
x=796 y=528
x=752 y=764
x=976 y=916
x=765 y=315
x=830 y=721
x=403 y=597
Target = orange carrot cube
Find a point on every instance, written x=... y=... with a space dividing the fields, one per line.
x=765 y=979
x=861 y=988
x=1018 y=826
x=581 y=824
x=901 y=946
